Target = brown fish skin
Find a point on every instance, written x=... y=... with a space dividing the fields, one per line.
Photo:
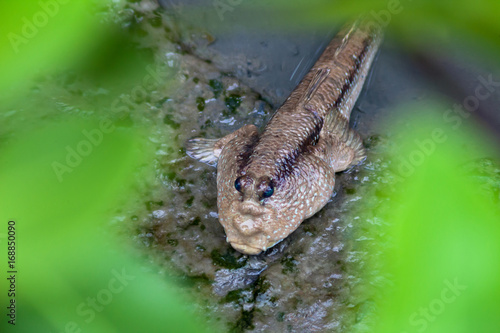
x=269 y=183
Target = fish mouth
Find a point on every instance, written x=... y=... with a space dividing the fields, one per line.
x=246 y=226
x=246 y=249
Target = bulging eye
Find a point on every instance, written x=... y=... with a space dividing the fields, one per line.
x=237 y=184
x=268 y=191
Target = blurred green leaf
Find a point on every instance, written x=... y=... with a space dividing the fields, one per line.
x=444 y=262
x=38 y=36
x=71 y=270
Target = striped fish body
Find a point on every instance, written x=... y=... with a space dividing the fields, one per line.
x=268 y=183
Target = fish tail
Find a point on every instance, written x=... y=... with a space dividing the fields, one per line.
x=336 y=79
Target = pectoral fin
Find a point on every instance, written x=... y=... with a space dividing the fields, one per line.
x=209 y=150
x=347 y=151
x=340 y=145
x=203 y=150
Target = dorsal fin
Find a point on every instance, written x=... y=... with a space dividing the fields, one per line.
x=346 y=38
x=318 y=78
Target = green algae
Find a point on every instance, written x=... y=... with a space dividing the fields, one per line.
x=217 y=87
x=232 y=102
x=227 y=260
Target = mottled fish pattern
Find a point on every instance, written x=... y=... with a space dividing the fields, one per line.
x=269 y=182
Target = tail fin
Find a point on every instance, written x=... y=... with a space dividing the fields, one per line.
x=344 y=66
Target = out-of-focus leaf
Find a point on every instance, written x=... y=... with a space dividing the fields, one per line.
x=444 y=263
x=38 y=36
x=59 y=184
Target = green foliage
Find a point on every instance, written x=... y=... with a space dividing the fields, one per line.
x=59 y=185
x=66 y=164
x=42 y=35
x=443 y=262
x=71 y=270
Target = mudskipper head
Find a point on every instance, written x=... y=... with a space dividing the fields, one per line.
x=262 y=199
x=258 y=211
x=246 y=214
